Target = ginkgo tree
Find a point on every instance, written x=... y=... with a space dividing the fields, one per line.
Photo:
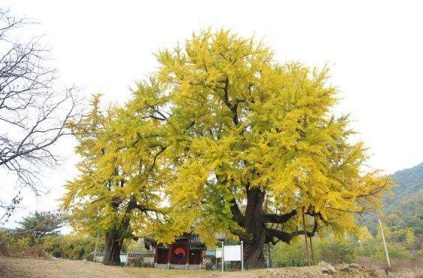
x=256 y=146
x=224 y=140
x=117 y=192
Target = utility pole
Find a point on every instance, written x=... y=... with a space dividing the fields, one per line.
x=384 y=244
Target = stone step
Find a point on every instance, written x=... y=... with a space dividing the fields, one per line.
x=178 y=266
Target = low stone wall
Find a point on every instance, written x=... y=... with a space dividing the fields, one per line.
x=98 y=257
x=207 y=260
x=132 y=259
x=147 y=260
x=144 y=260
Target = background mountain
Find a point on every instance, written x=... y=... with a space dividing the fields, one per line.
x=410 y=183
x=406 y=205
x=403 y=211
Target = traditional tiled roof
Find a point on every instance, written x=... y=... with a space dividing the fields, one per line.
x=194 y=241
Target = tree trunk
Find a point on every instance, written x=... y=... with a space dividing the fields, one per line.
x=255 y=229
x=254 y=255
x=113 y=245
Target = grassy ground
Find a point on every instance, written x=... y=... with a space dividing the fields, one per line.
x=39 y=268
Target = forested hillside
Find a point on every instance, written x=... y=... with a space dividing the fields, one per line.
x=405 y=207
x=403 y=211
x=410 y=183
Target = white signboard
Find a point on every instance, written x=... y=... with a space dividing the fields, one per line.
x=124 y=259
x=218 y=252
x=232 y=253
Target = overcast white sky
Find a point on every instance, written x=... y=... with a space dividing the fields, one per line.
x=374 y=50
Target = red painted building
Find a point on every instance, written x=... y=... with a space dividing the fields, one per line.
x=187 y=249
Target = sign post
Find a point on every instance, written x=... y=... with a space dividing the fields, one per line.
x=223 y=256
x=242 y=255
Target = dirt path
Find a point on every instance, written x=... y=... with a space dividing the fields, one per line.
x=58 y=268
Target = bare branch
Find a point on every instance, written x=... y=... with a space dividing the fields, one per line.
x=33 y=110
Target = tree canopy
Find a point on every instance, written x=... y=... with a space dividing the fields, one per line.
x=240 y=145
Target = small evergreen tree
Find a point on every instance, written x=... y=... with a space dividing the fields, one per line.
x=40 y=224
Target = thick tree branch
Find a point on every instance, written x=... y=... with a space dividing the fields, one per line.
x=133 y=204
x=242 y=235
x=287 y=237
x=237 y=214
x=279 y=218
